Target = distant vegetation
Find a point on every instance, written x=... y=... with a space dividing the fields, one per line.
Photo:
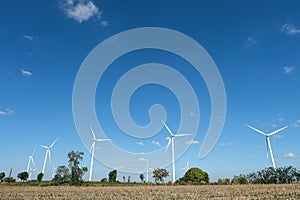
x=73 y=173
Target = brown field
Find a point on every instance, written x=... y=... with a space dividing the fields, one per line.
x=291 y=191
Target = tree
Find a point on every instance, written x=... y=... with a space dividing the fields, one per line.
x=62 y=175
x=40 y=176
x=142 y=177
x=128 y=180
x=23 y=176
x=195 y=176
x=103 y=180
x=76 y=171
x=159 y=174
x=9 y=180
x=2 y=175
x=112 y=176
x=124 y=178
x=241 y=179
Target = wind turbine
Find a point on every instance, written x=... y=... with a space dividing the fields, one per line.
x=30 y=160
x=146 y=169
x=92 y=149
x=48 y=153
x=268 y=143
x=30 y=172
x=171 y=141
x=186 y=167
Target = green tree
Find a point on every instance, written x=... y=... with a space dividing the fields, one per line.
x=142 y=177
x=195 y=176
x=9 y=180
x=128 y=180
x=23 y=176
x=112 y=176
x=77 y=172
x=124 y=178
x=2 y=175
x=62 y=175
x=241 y=179
x=103 y=180
x=40 y=177
x=159 y=174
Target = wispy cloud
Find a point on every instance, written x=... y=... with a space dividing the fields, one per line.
x=7 y=112
x=80 y=10
x=223 y=144
x=296 y=124
x=140 y=143
x=251 y=40
x=26 y=73
x=190 y=142
x=156 y=143
x=143 y=159
x=289 y=155
x=277 y=136
x=288 y=70
x=104 y=23
x=28 y=37
x=290 y=29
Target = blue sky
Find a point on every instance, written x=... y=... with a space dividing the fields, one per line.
x=255 y=45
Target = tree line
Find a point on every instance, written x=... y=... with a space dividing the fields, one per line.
x=73 y=174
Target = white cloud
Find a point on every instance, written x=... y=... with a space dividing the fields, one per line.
x=251 y=40
x=226 y=144
x=156 y=143
x=290 y=29
x=192 y=142
x=297 y=123
x=288 y=70
x=143 y=159
x=104 y=23
x=274 y=125
x=289 y=155
x=28 y=37
x=7 y=112
x=277 y=136
x=80 y=10
x=26 y=73
x=140 y=143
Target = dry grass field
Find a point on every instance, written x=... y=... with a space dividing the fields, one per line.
x=291 y=191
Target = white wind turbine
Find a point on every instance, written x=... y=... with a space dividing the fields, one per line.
x=92 y=149
x=146 y=169
x=171 y=141
x=268 y=143
x=30 y=160
x=186 y=167
x=48 y=153
x=30 y=172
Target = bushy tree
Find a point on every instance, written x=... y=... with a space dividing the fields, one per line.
x=103 y=180
x=40 y=177
x=9 y=180
x=225 y=181
x=159 y=174
x=142 y=177
x=23 y=176
x=241 y=179
x=62 y=175
x=195 y=176
x=112 y=176
x=77 y=172
x=2 y=175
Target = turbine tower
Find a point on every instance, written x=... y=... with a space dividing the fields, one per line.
x=48 y=153
x=30 y=160
x=171 y=141
x=92 y=149
x=268 y=143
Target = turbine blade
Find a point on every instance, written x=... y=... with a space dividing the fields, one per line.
x=94 y=136
x=53 y=143
x=44 y=146
x=274 y=132
x=33 y=151
x=256 y=130
x=32 y=160
x=168 y=145
x=92 y=146
x=181 y=135
x=167 y=128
